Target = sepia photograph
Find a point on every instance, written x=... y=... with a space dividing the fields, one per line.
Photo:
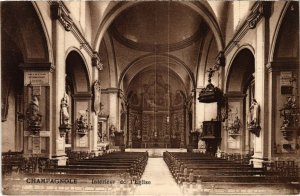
x=145 y=97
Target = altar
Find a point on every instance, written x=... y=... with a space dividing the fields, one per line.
x=155 y=152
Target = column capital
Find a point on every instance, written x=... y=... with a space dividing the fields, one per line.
x=220 y=60
x=97 y=61
x=61 y=13
x=260 y=9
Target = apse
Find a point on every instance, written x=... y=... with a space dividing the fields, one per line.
x=157 y=112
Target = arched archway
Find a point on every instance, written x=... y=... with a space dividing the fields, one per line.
x=157 y=113
x=23 y=51
x=199 y=7
x=78 y=89
x=77 y=68
x=283 y=45
x=139 y=38
x=240 y=91
x=144 y=61
x=284 y=76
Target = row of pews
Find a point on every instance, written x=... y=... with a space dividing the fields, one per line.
x=198 y=173
x=114 y=173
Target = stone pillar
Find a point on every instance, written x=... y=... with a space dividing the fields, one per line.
x=259 y=23
x=58 y=37
x=97 y=66
x=129 y=132
x=113 y=106
x=113 y=109
x=183 y=134
x=199 y=111
x=60 y=75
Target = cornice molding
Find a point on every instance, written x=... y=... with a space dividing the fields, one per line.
x=110 y=90
x=60 y=12
x=82 y=96
x=259 y=10
x=37 y=66
x=276 y=66
x=235 y=94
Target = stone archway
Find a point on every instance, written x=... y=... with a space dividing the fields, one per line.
x=284 y=77
x=24 y=53
x=79 y=91
x=157 y=113
x=116 y=9
x=240 y=91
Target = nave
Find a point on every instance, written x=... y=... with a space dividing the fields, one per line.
x=162 y=182
x=92 y=85
x=135 y=173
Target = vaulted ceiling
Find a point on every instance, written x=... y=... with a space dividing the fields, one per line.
x=163 y=34
x=155 y=25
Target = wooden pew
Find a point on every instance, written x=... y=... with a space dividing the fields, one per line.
x=114 y=167
x=208 y=173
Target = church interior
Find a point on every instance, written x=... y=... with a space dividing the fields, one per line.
x=150 y=97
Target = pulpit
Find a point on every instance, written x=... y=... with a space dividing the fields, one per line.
x=211 y=135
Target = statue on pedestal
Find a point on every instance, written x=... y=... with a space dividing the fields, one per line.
x=64 y=111
x=254 y=118
x=65 y=125
x=34 y=118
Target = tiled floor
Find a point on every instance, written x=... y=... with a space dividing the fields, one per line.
x=162 y=182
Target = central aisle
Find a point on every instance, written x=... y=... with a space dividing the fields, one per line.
x=162 y=182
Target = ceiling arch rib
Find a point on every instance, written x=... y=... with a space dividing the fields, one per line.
x=160 y=60
x=161 y=71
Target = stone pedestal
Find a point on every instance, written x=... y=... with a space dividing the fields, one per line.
x=61 y=161
x=193 y=138
x=119 y=138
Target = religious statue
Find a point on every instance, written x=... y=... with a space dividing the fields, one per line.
x=210 y=74
x=33 y=115
x=64 y=111
x=290 y=113
x=139 y=134
x=155 y=134
x=99 y=133
x=234 y=128
x=97 y=96
x=112 y=130
x=82 y=124
x=101 y=109
x=254 y=117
